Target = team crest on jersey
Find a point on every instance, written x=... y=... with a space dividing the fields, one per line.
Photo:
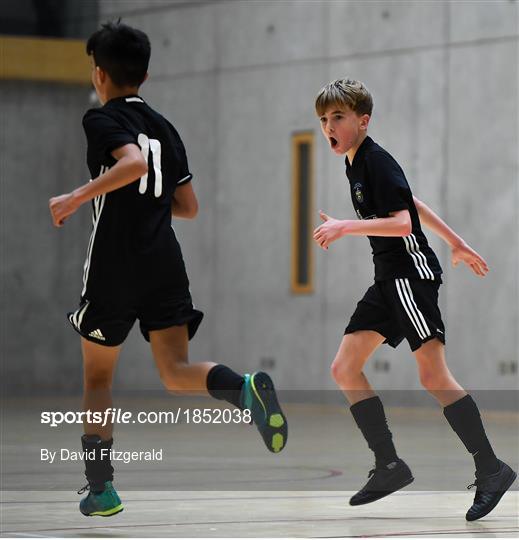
x=358 y=193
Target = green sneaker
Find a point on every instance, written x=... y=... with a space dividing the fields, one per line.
x=106 y=503
x=258 y=395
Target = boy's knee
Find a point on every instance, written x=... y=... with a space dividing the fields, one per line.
x=172 y=377
x=343 y=369
x=98 y=380
x=335 y=370
x=431 y=380
x=170 y=383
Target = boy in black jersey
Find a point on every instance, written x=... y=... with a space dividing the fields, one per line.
x=134 y=267
x=403 y=301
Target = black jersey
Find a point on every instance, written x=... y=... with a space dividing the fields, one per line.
x=133 y=249
x=378 y=187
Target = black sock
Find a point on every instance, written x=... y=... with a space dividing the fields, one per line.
x=224 y=383
x=464 y=418
x=370 y=417
x=98 y=466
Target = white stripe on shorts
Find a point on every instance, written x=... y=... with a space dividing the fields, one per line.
x=81 y=315
x=76 y=318
x=406 y=297
x=417 y=311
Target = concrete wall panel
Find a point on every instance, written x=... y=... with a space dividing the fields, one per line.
x=182 y=40
x=42 y=149
x=482 y=206
x=471 y=20
x=258 y=315
x=282 y=32
x=124 y=8
x=377 y=26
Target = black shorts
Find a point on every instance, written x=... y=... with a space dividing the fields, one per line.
x=398 y=309
x=108 y=323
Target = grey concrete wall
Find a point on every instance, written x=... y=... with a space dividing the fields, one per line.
x=42 y=154
x=237 y=78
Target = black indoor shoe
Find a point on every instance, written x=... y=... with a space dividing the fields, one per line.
x=489 y=490
x=382 y=482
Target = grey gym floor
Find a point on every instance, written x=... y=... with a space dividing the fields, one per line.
x=219 y=480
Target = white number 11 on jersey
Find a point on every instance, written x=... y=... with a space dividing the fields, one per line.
x=152 y=145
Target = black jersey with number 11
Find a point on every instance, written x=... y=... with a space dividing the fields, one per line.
x=133 y=250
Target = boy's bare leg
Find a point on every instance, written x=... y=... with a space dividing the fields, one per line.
x=170 y=351
x=255 y=392
x=459 y=408
x=493 y=477
x=435 y=376
x=355 y=349
x=99 y=364
x=390 y=473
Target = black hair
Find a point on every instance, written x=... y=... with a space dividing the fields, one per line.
x=122 y=51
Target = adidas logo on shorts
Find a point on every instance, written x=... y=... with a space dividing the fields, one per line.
x=97 y=334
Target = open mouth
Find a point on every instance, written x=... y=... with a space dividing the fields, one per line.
x=334 y=142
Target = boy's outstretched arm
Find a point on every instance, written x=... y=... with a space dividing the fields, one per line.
x=397 y=224
x=129 y=167
x=460 y=251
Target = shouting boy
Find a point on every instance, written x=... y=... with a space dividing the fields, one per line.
x=402 y=302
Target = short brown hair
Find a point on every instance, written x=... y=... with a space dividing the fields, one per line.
x=344 y=93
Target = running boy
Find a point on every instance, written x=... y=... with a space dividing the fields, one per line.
x=403 y=301
x=134 y=267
